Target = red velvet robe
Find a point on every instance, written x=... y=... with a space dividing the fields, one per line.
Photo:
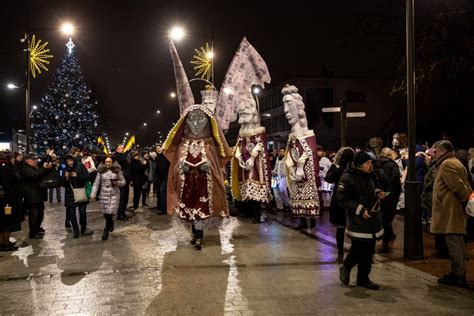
x=253 y=184
x=304 y=195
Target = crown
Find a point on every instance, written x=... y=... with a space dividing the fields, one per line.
x=210 y=92
x=209 y=98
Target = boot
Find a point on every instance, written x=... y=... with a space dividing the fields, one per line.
x=112 y=225
x=198 y=244
x=340 y=257
x=385 y=248
x=105 y=235
x=193 y=240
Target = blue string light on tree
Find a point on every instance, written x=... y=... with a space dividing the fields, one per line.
x=67 y=116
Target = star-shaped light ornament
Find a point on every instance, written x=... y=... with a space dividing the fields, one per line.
x=39 y=56
x=203 y=62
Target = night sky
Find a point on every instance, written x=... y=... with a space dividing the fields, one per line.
x=122 y=47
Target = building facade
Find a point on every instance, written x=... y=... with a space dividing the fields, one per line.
x=371 y=96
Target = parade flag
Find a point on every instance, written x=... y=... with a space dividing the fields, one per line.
x=130 y=144
x=100 y=141
x=246 y=69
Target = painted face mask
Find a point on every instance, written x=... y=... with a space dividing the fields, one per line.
x=291 y=110
x=247 y=110
x=197 y=123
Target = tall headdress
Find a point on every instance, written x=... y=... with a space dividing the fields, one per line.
x=209 y=98
x=246 y=69
x=183 y=89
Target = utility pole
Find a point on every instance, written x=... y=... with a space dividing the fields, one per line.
x=413 y=237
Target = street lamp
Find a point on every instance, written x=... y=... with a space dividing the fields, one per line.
x=158 y=111
x=144 y=124
x=177 y=33
x=33 y=108
x=12 y=86
x=67 y=29
x=413 y=234
x=173 y=95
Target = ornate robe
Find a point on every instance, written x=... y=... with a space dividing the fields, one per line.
x=197 y=195
x=304 y=195
x=253 y=184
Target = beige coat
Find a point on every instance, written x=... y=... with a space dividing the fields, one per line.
x=450 y=192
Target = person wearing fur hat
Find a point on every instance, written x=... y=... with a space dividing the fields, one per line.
x=357 y=194
x=109 y=179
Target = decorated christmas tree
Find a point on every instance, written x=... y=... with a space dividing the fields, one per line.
x=66 y=116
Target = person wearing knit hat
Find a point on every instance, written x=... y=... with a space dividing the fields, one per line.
x=358 y=194
x=361 y=157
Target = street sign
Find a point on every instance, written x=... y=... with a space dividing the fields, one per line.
x=332 y=109
x=355 y=114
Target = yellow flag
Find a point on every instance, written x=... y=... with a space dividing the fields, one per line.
x=130 y=143
x=100 y=141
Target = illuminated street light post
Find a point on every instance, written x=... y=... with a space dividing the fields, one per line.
x=177 y=33
x=66 y=29
x=413 y=234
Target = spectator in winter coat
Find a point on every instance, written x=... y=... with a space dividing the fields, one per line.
x=18 y=162
x=56 y=169
x=11 y=185
x=427 y=205
x=420 y=164
x=122 y=158
x=390 y=183
x=146 y=182
x=337 y=215
x=138 y=168
x=109 y=179
x=463 y=156
x=162 y=168
x=75 y=177
x=357 y=194
x=450 y=194
x=280 y=191
x=470 y=163
x=32 y=176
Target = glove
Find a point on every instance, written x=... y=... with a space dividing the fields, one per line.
x=204 y=167
x=258 y=148
x=184 y=167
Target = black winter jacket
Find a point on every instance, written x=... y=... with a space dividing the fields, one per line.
x=337 y=215
x=162 y=167
x=122 y=160
x=76 y=182
x=138 y=173
x=356 y=193
x=31 y=179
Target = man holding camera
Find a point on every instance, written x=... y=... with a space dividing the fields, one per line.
x=31 y=176
x=357 y=193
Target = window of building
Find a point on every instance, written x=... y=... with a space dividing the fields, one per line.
x=356 y=97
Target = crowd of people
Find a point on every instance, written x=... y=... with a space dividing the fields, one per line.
x=362 y=188
x=28 y=181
